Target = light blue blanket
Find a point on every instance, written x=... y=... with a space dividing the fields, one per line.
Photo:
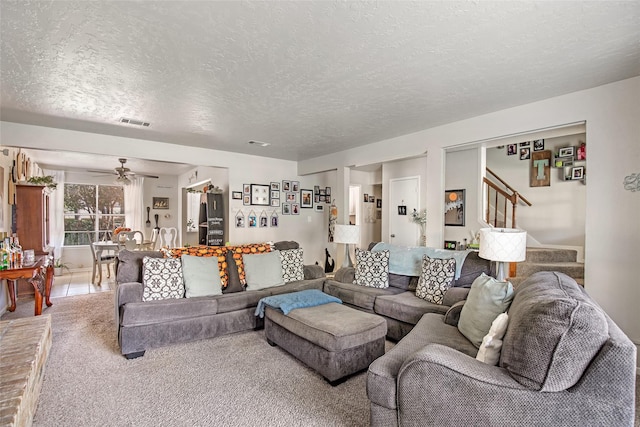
x=407 y=261
x=300 y=299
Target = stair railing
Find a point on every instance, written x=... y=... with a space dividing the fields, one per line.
x=498 y=199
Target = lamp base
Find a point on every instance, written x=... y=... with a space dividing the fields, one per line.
x=347 y=257
x=503 y=267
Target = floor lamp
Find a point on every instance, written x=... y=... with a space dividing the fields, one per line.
x=346 y=234
x=503 y=245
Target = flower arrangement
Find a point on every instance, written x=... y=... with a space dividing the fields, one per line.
x=419 y=217
x=120 y=230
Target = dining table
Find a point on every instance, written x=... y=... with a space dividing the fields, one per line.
x=100 y=247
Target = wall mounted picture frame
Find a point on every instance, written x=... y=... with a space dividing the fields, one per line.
x=565 y=152
x=365 y=198
x=275 y=194
x=275 y=202
x=327 y=191
x=372 y=199
x=450 y=244
x=379 y=203
x=264 y=219
x=577 y=172
x=286 y=209
x=319 y=208
x=538 y=144
x=316 y=189
x=160 y=203
x=275 y=220
x=253 y=220
x=236 y=195
x=239 y=219
x=525 y=144
x=260 y=194
x=275 y=186
x=525 y=153
x=246 y=199
x=246 y=188
x=402 y=210
x=512 y=149
x=286 y=185
x=306 y=198
x=295 y=186
x=295 y=209
x=454 y=208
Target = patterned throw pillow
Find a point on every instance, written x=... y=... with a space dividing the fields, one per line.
x=372 y=269
x=436 y=277
x=292 y=265
x=162 y=278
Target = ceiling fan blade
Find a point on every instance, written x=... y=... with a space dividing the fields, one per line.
x=106 y=172
x=144 y=175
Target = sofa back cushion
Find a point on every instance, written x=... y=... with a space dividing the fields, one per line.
x=201 y=276
x=263 y=270
x=129 y=265
x=472 y=267
x=555 y=331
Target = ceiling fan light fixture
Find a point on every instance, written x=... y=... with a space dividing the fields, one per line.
x=260 y=143
x=123 y=179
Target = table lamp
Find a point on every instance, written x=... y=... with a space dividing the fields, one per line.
x=346 y=234
x=503 y=245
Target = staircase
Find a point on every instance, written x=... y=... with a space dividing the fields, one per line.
x=543 y=259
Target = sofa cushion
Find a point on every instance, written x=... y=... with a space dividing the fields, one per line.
x=129 y=264
x=554 y=332
x=437 y=276
x=372 y=269
x=233 y=284
x=383 y=372
x=362 y=297
x=487 y=298
x=406 y=307
x=285 y=245
x=292 y=265
x=472 y=267
x=162 y=278
x=400 y=281
x=238 y=251
x=201 y=276
x=263 y=270
x=152 y=312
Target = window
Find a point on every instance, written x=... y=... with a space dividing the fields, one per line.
x=91 y=212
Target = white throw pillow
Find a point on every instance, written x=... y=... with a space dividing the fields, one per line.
x=372 y=269
x=436 y=277
x=161 y=278
x=262 y=270
x=487 y=298
x=201 y=276
x=292 y=265
x=489 y=352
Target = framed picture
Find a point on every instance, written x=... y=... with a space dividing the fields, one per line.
x=512 y=149
x=264 y=220
x=365 y=198
x=292 y=197
x=372 y=199
x=275 y=186
x=316 y=198
x=246 y=188
x=525 y=153
x=274 y=219
x=286 y=209
x=295 y=209
x=246 y=200
x=253 y=220
x=260 y=194
x=239 y=220
x=582 y=152
x=275 y=202
x=319 y=208
x=538 y=144
x=577 y=172
x=322 y=192
x=316 y=189
x=327 y=191
x=379 y=203
x=295 y=186
x=525 y=144
x=565 y=152
x=236 y=195
x=160 y=203
x=402 y=210
x=275 y=194
x=454 y=208
x=306 y=198
x=450 y=244
x=286 y=185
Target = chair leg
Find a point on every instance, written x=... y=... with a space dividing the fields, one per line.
x=108 y=271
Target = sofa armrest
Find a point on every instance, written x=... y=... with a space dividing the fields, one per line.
x=454 y=295
x=345 y=275
x=313 y=272
x=126 y=293
x=452 y=316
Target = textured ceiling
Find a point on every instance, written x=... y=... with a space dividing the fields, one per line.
x=309 y=77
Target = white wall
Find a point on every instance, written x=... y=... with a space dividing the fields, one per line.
x=462 y=172
x=613 y=140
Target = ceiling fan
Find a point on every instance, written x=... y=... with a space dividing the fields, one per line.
x=123 y=173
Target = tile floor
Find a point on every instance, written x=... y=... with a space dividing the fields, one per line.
x=78 y=282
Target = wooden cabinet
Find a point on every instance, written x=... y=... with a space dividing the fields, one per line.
x=32 y=218
x=211 y=222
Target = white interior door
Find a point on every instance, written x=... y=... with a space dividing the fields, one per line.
x=403 y=192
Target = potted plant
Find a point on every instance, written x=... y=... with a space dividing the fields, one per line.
x=58 y=265
x=43 y=180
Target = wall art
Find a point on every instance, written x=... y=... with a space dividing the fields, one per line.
x=274 y=219
x=236 y=195
x=260 y=194
x=306 y=198
x=454 y=208
x=160 y=203
x=538 y=145
x=239 y=219
x=540 y=169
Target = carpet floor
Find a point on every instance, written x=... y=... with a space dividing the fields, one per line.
x=234 y=380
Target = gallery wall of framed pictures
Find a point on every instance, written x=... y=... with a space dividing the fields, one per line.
x=287 y=195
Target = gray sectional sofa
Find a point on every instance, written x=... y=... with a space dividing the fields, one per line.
x=148 y=324
x=398 y=303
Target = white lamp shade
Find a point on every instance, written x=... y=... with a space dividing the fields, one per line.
x=346 y=234
x=503 y=244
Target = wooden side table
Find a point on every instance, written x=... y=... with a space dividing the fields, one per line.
x=39 y=274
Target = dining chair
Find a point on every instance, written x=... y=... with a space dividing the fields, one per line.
x=104 y=259
x=133 y=240
x=150 y=245
x=168 y=237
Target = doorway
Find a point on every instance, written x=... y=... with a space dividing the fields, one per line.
x=404 y=195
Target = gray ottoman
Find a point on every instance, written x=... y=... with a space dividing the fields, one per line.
x=333 y=339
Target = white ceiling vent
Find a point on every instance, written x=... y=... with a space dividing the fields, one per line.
x=134 y=122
